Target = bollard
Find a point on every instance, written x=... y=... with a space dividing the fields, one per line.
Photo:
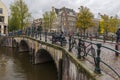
x=97 y=60
x=116 y=48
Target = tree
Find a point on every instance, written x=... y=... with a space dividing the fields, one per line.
x=113 y=24
x=106 y=23
x=19 y=15
x=52 y=18
x=110 y=23
x=101 y=26
x=46 y=20
x=84 y=19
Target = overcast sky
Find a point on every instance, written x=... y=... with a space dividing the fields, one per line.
x=38 y=7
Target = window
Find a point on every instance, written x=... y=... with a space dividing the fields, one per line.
x=1 y=19
x=1 y=11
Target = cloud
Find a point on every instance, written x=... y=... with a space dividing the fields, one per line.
x=38 y=7
x=109 y=7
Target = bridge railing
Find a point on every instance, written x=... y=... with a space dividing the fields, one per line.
x=110 y=37
x=86 y=47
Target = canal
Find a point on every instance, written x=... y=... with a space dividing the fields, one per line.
x=17 y=66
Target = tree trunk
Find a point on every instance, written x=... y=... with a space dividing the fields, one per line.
x=84 y=32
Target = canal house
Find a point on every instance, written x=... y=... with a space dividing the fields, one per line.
x=3 y=19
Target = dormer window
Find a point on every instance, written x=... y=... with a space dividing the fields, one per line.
x=1 y=11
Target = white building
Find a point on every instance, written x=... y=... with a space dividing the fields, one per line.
x=3 y=19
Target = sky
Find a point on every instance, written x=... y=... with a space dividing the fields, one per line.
x=38 y=7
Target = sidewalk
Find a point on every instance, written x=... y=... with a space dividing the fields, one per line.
x=106 y=41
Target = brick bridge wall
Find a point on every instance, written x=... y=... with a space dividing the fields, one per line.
x=68 y=67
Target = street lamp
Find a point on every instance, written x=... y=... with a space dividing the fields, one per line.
x=40 y=31
x=70 y=43
x=40 y=36
x=45 y=35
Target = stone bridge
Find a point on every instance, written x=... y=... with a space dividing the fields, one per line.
x=68 y=66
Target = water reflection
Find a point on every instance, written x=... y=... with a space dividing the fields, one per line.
x=17 y=66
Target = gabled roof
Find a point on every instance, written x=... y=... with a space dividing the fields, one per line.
x=70 y=10
x=2 y=5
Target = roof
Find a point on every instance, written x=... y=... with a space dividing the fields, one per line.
x=3 y=5
x=68 y=11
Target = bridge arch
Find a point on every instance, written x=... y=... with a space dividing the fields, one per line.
x=23 y=46
x=44 y=56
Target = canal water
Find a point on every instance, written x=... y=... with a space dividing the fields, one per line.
x=17 y=66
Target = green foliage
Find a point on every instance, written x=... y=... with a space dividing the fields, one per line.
x=106 y=23
x=84 y=19
x=101 y=26
x=52 y=18
x=110 y=23
x=113 y=24
x=19 y=15
x=48 y=18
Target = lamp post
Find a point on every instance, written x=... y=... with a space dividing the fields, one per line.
x=97 y=60
x=79 y=49
x=32 y=31
x=29 y=31
x=99 y=24
x=40 y=36
x=117 y=42
x=69 y=43
x=61 y=42
x=40 y=31
x=45 y=35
